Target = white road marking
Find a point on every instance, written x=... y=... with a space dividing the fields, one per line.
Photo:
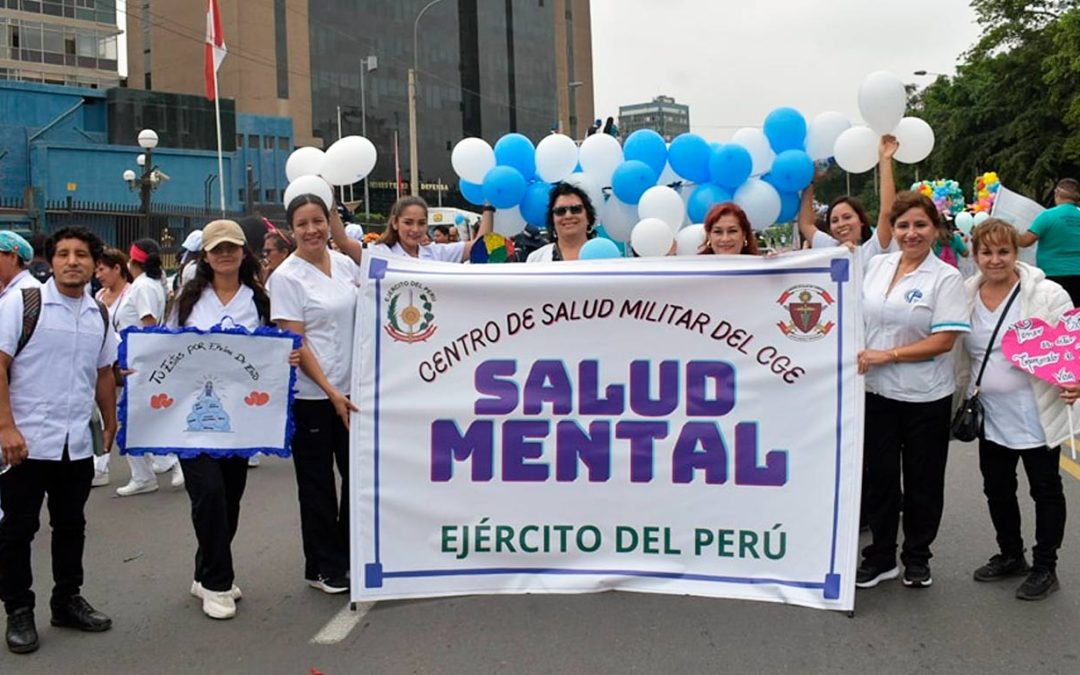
x=339 y=627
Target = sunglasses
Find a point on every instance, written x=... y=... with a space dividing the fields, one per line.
x=576 y=209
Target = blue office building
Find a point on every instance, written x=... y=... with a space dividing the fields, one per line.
x=64 y=151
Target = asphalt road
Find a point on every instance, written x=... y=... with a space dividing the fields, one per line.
x=138 y=563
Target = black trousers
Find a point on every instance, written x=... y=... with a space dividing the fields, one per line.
x=998 y=466
x=906 y=447
x=1071 y=284
x=22 y=490
x=215 y=486
x=321 y=441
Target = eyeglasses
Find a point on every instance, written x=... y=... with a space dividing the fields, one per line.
x=576 y=209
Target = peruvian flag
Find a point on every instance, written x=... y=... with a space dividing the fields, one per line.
x=215 y=47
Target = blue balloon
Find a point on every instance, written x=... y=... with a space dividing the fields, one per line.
x=792 y=170
x=599 y=248
x=703 y=198
x=459 y=219
x=689 y=157
x=647 y=146
x=472 y=192
x=517 y=151
x=786 y=129
x=730 y=165
x=631 y=179
x=535 y=203
x=789 y=207
x=504 y=187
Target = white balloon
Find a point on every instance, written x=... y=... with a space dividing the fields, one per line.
x=755 y=142
x=307 y=161
x=856 y=150
x=965 y=221
x=472 y=158
x=309 y=185
x=882 y=101
x=979 y=218
x=618 y=218
x=349 y=160
x=688 y=240
x=509 y=222
x=600 y=155
x=760 y=201
x=556 y=157
x=822 y=133
x=590 y=184
x=652 y=238
x=915 y=138
x=664 y=203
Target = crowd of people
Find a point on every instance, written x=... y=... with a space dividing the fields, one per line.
x=928 y=332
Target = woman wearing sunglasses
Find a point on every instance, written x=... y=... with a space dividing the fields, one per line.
x=571 y=220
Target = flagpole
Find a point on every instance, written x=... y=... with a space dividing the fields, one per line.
x=220 y=160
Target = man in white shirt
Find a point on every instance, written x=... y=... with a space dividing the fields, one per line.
x=48 y=386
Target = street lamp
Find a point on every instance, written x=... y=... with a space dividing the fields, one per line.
x=414 y=170
x=369 y=64
x=922 y=73
x=150 y=177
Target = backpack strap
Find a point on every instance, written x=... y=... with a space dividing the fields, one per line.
x=31 y=314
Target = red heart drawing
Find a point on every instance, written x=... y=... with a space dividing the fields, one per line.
x=166 y=401
x=159 y=401
x=257 y=398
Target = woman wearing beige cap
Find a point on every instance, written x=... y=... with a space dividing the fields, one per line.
x=226 y=285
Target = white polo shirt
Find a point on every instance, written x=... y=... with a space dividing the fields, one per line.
x=545 y=253
x=326 y=305
x=209 y=312
x=452 y=252
x=145 y=297
x=21 y=280
x=52 y=381
x=929 y=300
x=869 y=248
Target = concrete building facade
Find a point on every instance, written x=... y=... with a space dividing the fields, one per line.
x=662 y=114
x=65 y=42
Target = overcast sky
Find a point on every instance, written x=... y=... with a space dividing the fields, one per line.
x=733 y=61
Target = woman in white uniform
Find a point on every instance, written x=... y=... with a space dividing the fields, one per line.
x=849 y=225
x=1025 y=417
x=115 y=279
x=914 y=310
x=144 y=305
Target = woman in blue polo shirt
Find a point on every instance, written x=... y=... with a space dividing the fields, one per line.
x=914 y=309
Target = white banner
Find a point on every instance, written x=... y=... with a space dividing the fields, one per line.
x=222 y=392
x=676 y=425
x=1020 y=212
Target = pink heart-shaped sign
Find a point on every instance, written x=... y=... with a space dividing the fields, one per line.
x=1050 y=353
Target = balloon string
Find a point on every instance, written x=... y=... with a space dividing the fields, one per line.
x=1072 y=432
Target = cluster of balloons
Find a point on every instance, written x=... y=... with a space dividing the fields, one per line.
x=312 y=171
x=515 y=176
x=946 y=194
x=986 y=189
x=882 y=102
x=965 y=220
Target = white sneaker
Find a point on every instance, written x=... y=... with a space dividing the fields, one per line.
x=253 y=461
x=197 y=590
x=177 y=476
x=134 y=488
x=218 y=605
x=159 y=464
x=101 y=478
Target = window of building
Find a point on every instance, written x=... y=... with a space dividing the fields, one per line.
x=239 y=141
x=271 y=196
x=243 y=195
x=253 y=142
x=268 y=143
x=283 y=143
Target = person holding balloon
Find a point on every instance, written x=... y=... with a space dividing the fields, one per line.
x=571 y=221
x=914 y=310
x=1025 y=417
x=728 y=232
x=848 y=221
x=406 y=231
